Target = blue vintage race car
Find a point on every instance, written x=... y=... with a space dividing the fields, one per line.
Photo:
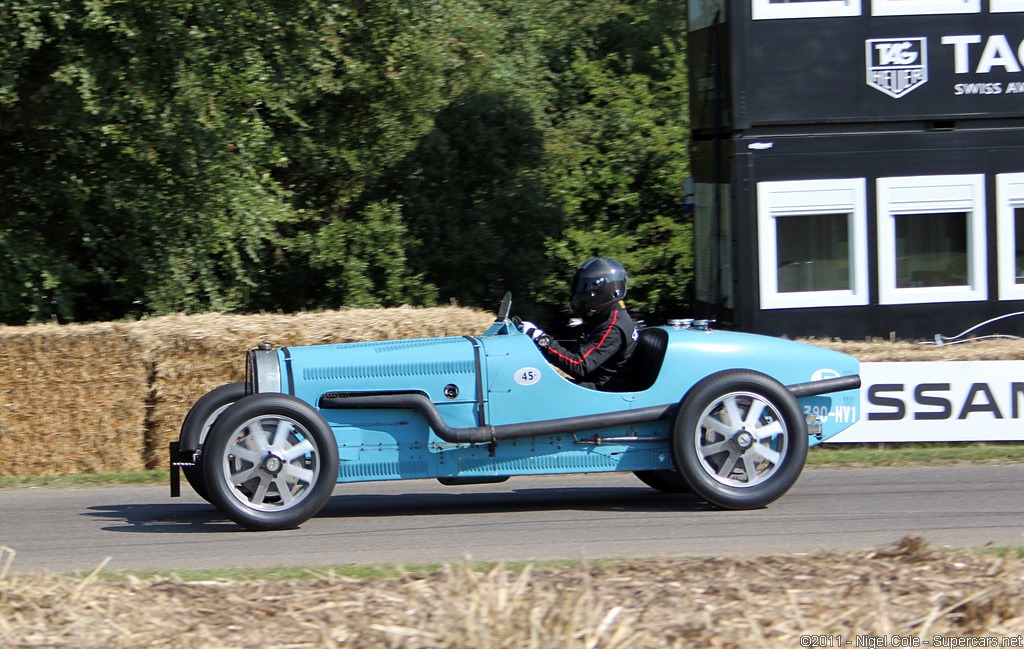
x=727 y=416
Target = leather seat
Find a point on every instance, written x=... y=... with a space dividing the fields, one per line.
x=642 y=368
x=648 y=357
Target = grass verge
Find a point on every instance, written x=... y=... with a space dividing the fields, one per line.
x=360 y=572
x=366 y=572
x=861 y=455
x=86 y=479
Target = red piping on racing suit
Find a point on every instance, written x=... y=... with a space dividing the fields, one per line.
x=606 y=340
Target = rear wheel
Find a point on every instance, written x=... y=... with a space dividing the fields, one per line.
x=197 y=424
x=739 y=439
x=664 y=480
x=270 y=462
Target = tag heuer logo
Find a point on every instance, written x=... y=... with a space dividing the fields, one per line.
x=897 y=65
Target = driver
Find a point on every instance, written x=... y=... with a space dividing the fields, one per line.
x=607 y=336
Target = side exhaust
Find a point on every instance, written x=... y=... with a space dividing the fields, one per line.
x=825 y=386
x=486 y=434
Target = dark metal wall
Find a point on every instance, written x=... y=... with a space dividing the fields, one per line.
x=847 y=69
x=855 y=97
x=869 y=155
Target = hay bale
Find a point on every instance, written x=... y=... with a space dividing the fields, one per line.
x=74 y=400
x=191 y=355
x=110 y=396
x=875 y=351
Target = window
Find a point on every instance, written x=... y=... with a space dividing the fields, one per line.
x=931 y=239
x=772 y=9
x=713 y=234
x=812 y=243
x=702 y=13
x=924 y=7
x=1010 y=228
x=1005 y=6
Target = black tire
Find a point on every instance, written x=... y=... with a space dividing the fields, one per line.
x=196 y=426
x=742 y=464
x=664 y=480
x=270 y=462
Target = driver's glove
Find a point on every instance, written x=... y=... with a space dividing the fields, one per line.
x=531 y=330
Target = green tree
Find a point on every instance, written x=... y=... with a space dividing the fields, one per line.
x=133 y=166
x=572 y=143
x=172 y=155
x=618 y=157
x=473 y=198
x=226 y=155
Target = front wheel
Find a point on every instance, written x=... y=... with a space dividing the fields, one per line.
x=270 y=462
x=739 y=439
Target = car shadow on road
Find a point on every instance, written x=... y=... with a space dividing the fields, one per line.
x=598 y=499
x=163 y=518
x=203 y=518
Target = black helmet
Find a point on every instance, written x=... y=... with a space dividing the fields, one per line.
x=598 y=282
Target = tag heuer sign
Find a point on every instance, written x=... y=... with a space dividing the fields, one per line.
x=896 y=65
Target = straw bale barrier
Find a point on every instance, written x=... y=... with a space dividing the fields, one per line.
x=883 y=598
x=877 y=351
x=74 y=400
x=110 y=396
x=194 y=354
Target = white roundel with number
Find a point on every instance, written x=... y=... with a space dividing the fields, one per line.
x=527 y=376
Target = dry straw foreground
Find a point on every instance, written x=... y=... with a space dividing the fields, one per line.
x=762 y=603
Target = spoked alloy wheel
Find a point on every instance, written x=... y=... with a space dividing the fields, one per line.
x=740 y=439
x=270 y=462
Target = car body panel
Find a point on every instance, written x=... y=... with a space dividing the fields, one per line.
x=502 y=378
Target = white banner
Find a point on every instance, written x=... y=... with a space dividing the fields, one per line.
x=948 y=401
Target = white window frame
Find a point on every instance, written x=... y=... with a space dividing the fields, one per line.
x=1005 y=6
x=902 y=195
x=765 y=10
x=779 y=199
x=1010 y=196
x=924 y=7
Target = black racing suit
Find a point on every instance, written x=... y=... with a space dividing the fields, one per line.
x=607 y=338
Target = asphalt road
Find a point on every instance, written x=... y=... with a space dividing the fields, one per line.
x=592 y=516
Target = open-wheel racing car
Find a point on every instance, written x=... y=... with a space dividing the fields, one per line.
x=726 y=416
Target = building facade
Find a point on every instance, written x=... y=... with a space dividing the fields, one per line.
x=858 y=164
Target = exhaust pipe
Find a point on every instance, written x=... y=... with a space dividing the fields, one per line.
x=422 y=404
x=486 y=434
x=825 y=386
